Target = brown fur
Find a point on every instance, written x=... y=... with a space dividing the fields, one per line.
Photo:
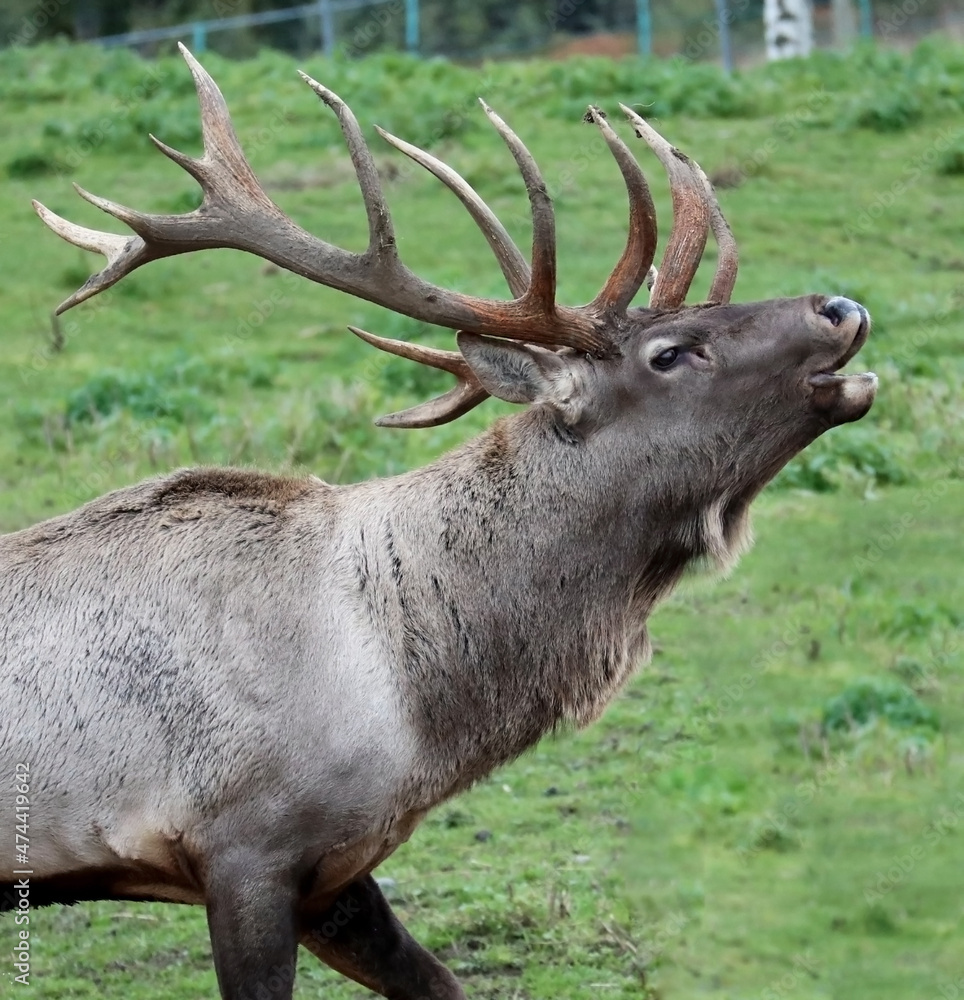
x=239 y=486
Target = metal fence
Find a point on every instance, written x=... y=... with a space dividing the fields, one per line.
x=729 y=31
x=323 y=12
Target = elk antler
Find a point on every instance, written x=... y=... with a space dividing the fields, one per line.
x=235 y=212
x=637 y=258
x=466 y=394
x=695 y=212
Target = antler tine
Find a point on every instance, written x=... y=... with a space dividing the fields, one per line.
x=728 y=258
x=637 y=258
x=513 y=265
x=468 y=393
x=542 y=284
x=123 y=253
x=221 y=146
x=381 y=233
x=691 y=217
x=226 y=180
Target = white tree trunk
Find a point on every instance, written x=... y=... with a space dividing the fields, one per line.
x=788 y=28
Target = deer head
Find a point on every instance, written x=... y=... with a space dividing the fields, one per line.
x=758 y=378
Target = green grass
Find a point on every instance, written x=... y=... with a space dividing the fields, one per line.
x=773 y=807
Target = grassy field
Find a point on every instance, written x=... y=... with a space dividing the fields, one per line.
x=774 y=807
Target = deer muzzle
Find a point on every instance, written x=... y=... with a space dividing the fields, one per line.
x=843 y=398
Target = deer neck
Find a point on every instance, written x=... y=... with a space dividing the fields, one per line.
x=520 y=576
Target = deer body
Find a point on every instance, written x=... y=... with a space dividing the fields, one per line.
x=223 y=612
x=245 y=691
x=341 y=616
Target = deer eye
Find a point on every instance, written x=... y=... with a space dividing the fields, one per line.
x=665 y=359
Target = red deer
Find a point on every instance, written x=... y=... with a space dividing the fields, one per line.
x=245 y=691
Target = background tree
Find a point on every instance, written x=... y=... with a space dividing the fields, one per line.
x=788 y=28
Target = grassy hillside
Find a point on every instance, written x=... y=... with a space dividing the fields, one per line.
x=773 y=808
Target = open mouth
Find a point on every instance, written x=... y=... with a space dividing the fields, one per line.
x=823 y=380
x=840 y=397
x=831 y=376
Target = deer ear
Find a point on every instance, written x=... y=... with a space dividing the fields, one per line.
x=518 y=373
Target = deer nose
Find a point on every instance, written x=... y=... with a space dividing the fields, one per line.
x=843 y=310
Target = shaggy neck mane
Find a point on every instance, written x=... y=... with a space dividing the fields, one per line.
x=535 y=599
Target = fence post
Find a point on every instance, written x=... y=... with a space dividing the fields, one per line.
x=644 y=28
x=411 y=26
x=199 y=37
x=723 y=28
x=866 y=19
x=327 y=20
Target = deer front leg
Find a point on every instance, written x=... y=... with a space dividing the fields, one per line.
x=360 y=937
x=251 y=918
